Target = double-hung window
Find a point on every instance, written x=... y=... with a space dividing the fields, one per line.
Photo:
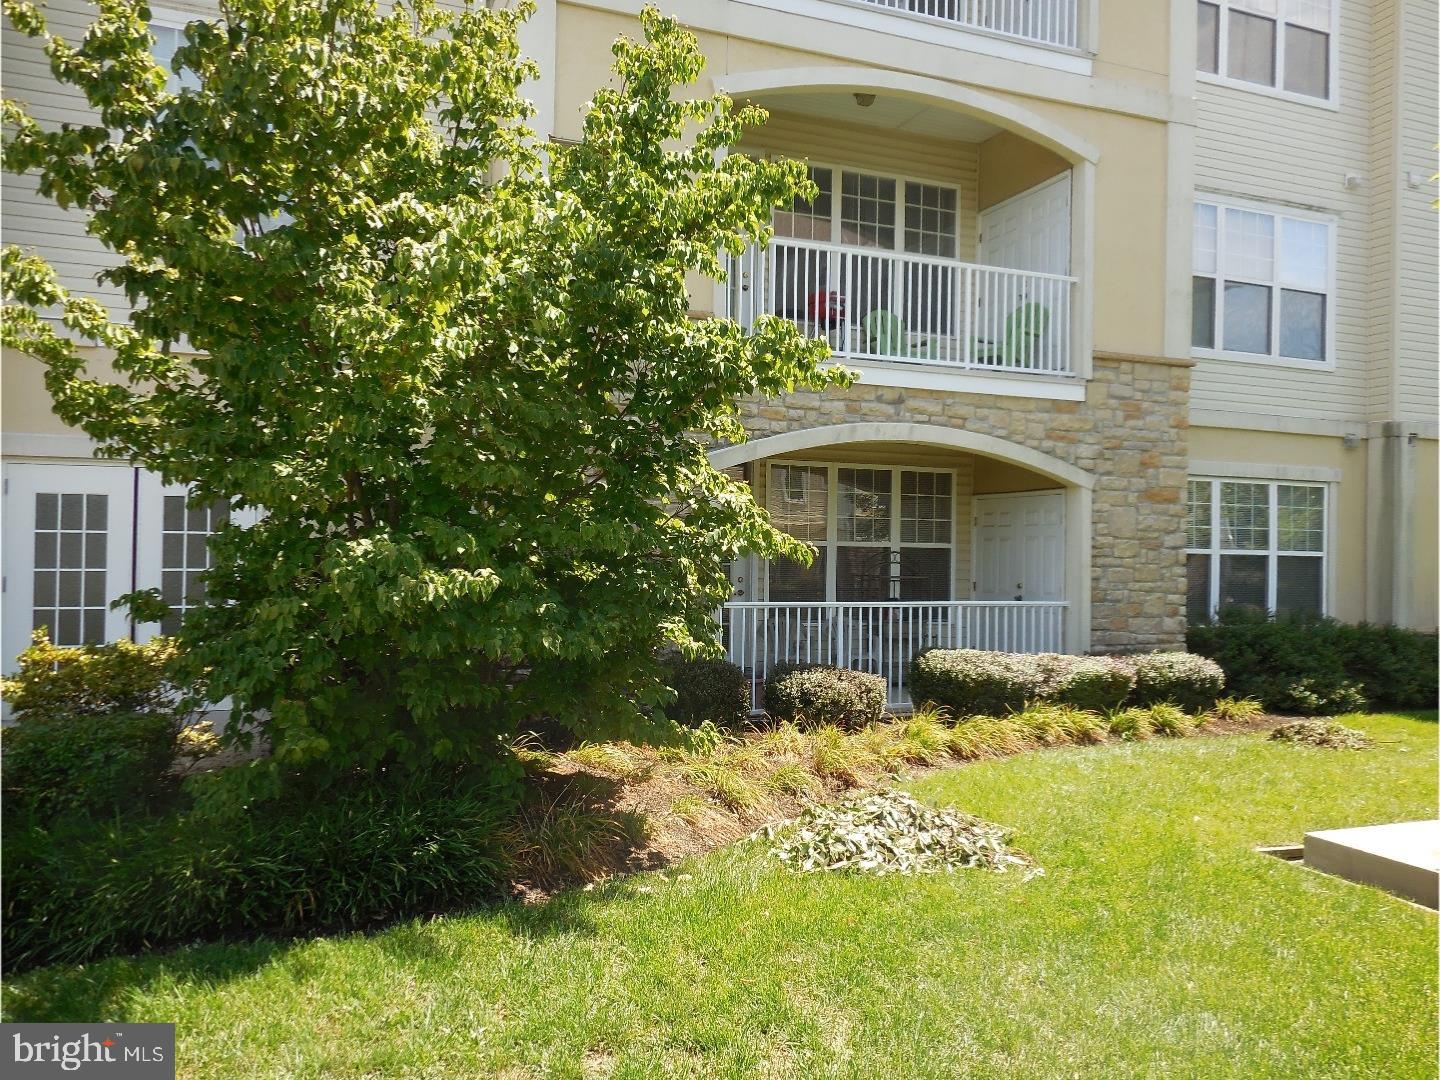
x=880 y=532
x=1263 y=283
x=1286 y=45
x=1255 y=543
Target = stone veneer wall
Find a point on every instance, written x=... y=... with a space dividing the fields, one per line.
x=1129 y=433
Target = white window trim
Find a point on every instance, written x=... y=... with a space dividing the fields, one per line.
x=1219 y=78
x=1277 y=211
x=900 y=179
x=1271 y=551
x=832 y=519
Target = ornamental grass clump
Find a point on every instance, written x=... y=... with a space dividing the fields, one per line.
x=1233 y=710
x=891 y=833
x=1326 y=734
x=1171 y=720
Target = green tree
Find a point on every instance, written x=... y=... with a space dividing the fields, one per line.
x=455 y=368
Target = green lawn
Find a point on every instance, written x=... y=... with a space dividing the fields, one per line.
x=1156 y=944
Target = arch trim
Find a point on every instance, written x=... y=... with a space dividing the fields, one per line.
x=998 y=110
x=929 y=434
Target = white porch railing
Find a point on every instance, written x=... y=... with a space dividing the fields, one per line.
x=871 y=304
x=881 y=636
x=1048 y=22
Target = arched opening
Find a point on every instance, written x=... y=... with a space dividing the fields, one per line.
x=923 y=536
x=949 y=232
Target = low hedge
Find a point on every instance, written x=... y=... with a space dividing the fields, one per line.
x=716 y=691
x=1318 y=666
x=1174 y=678
x=817 y=694
x=1096 y=683
x=971 y=682
x=81 y=888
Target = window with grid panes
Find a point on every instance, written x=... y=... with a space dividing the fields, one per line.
x=185 y=555
x=1255 y=543
x=881 y=547
x=71 y=535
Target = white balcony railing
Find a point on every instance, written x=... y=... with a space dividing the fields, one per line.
x=881 y=636
x=1047 y=22
x=871 y=304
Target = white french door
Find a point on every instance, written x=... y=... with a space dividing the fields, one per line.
x=1029 y=231
x=68 y=552
x=79 y=536
x=1019 y=547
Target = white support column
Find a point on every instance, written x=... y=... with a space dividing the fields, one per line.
x=1082 y=266
x=1079 y=503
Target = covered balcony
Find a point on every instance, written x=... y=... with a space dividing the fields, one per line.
x=936 y=239
x=915 y=547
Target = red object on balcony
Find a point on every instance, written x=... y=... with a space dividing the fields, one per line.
x=826 y=307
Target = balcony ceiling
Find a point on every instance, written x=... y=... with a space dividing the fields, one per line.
x=889 y=112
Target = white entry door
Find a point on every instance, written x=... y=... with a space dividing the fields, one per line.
x=68 y=552
x=1030 y=231
x=1019 y=546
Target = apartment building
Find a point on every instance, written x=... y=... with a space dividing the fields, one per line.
x=1141 y=295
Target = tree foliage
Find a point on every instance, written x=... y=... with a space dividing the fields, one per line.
x=456 y=368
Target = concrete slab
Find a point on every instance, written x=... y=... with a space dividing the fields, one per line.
x=1403 y=858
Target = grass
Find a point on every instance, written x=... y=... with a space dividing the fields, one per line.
x=1158 y=943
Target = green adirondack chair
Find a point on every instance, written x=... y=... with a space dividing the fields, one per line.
x=1020 y=340
x=885 y=333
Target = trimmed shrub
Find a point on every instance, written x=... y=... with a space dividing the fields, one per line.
x=1312 y=665
x=970 y=682
x=1325 y=695
x=716 y=691
x=825 y=695
x=338 y=859
x=1093 y=683
x=975 y=683
x=1175 y=678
